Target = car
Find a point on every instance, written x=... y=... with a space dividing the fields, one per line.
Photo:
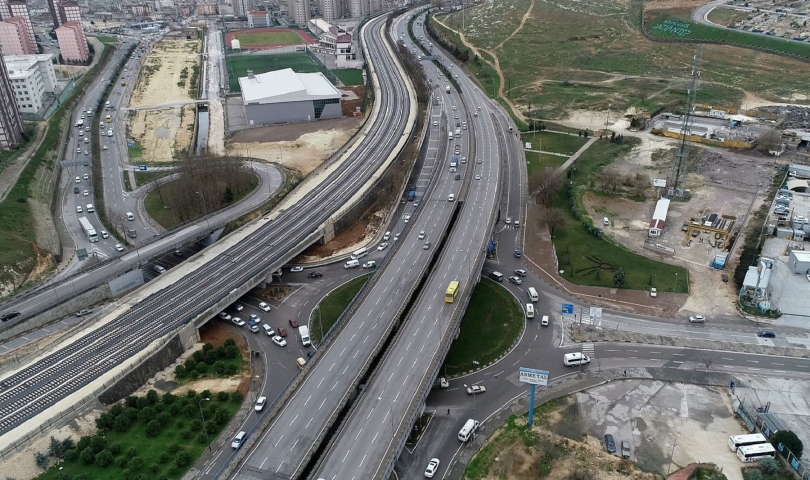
x=458 y=176
x=478 y=177
x=268 y=330
x=238 y=307
x=426 y=245
x=86 y=152
x=78 y=179
x=297 y=269
x=160 y=269
x=224 y=315
x=473 y=389
x=515 y=279
x=724 y=277
x=86 y=193
x=81 y=133
x=697 y=319
x=260 y=404
x=625 y=449
x=518 y=254
x=103 y=133
x=85 y=176
x=79 y=209
x=370 y=264
x=265 y=307
x=544 y=321
x=314 y=275
x=76 y=190
x=83 y=312
x=255 y=318
x=516 y=224
x=104 y=234
x=78 y=150
x=432 y=468
x=766 y=334
x=238 y=322
x=520 y=272
x=480 y=161
x=396 y=237
x=178 y=253
x=9 y=315
x=653 y=292
x=421 y=235
x=119 y=247
x=282 y=332
x=508 y=220
x=279 y=341
x=610 y=444
x=407 y=217
x=382 y=246
x=293 y=323
x=104 y=147
x=387 y=236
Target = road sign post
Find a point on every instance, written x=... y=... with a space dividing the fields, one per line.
x=533 y=377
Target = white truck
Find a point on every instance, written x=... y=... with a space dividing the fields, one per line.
x=303 y=330
x=92 y=236
x=447 y=89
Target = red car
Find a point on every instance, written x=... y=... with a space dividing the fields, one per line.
x=293 y=323
x=282 y=332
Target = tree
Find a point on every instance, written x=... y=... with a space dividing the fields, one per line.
x=152 y=397
x=41 y=460
x=183 y=458
x=769 y=466
x=55 y=449
x=554 y=217
x=789 y=440
x=545 y=185
x=153 y=428
x=228 y=196
x=87 y=456
x=754 y=475
x=618 y=277
x=104 y=458
x=122 y=423
x=236 y=397
x=771 y=141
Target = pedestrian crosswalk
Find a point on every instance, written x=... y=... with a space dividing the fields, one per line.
x=587 y=320
x=588 y=350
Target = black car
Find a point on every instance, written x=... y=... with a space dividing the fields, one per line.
x=9 y=315
x=314 y=274
x=610 y=444
x=75 y=189
x=766 y=334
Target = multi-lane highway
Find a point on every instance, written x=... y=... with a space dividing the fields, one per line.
x=180 y=297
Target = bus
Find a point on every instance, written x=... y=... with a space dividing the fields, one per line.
x=450 y=294
x=737 y=441
x=88 y=229
x=755 y=453
x=359 y=253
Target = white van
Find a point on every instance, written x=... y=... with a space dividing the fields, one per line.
x=576 y=358
x=529 y=310
x=238 y=439
x=303 y=330
x=532 y=293
x=468 y=429
x=497 y=276
x=130 y=216
x=359 y=253
x=351 y=264
x=90 y=208
x=544 y=321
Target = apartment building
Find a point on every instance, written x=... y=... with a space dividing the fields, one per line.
x=11 y=124
x=14 y=39
x=301 y=13
x=72 y=43
x=31 y=77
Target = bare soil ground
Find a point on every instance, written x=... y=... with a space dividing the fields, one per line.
x=160 y=75
x=349 y=105
x=303 y=146
x=164 y=133
x=347 y=241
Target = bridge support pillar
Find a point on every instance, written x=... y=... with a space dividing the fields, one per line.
x=328 y=230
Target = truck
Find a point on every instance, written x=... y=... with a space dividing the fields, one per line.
x=412 y=195
x=92 y=236
x=123 y=83
x=447 y=89
x=80 y=123
x=303 y=330
x=458 y=132
x=454 y=162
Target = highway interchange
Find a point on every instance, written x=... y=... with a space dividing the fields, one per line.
x=383 y=413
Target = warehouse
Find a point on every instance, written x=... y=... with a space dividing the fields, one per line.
x=659 y=218
x=284 y=96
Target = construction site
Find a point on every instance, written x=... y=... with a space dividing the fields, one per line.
x=779 y=19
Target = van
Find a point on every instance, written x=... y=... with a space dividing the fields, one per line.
x=529 y=310
x=359 y=253
x=497 y=276
x=605 y=221
x=576 y=358
x=467 y=431
x=450 y=136
x=130 y=216
x=351 y=264
x=238 y=439
x=544 y=321
x=303 y=331
x=90 y=208
x=532 y=293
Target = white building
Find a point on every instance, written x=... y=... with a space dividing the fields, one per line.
x=284 y=96
x=659 y=217
x=31 y=77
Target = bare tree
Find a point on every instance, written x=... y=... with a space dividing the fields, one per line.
x=546 y=185
x=771 y=141
x=554 y=217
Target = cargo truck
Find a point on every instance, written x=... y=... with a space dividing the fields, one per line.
x=303 y=330
x=447 y=89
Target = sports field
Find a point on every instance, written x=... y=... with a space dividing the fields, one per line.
x=261 y=38
x=239 y=65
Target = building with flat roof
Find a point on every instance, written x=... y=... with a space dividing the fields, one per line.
x=659 y=218
x=258 y=18
x=72 y=43
x=14 y=37
x=31 y=77
x=19 y=8
x=284 y=96
x=301 y=12
x=11 y=124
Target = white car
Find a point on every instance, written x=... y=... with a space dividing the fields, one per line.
x=238 y=322
x=87 y=152
x=407 y=217
x=382 y=246
x=264 y=307
x=260 y=404
x=224 y=315
x=279 y=341
x=508 y=220
x=238 y=307
x=432 y=468
x=86 y=193
x=85 y=176
x=421 y=235
x=119 y=247
x=297 y=269
x=697 y=319
x=386 y=236
x=255 y=318
x=104 y=147
x=478 y=177
x=79 y=209
x=476 y=389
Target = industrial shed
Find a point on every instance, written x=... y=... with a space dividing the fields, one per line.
x=284 y=96
x=659 y=217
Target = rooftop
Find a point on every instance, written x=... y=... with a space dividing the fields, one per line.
x=286 y=86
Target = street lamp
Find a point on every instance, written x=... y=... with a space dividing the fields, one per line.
x=205 y=208
x=205 y=429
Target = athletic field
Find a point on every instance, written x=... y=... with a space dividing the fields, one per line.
x=262 y=38
x=239 y=65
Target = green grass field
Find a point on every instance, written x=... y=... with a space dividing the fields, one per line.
x=249 y=39
x=332 y=306
x=107 y=40
x=239 y=65
x=667 y=26
x=536 y=162
x=491 y=324
x=349 y=76
x=555 y=142
x=135 y=151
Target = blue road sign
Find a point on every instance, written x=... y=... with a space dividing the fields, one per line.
x=142 y=167
x=568 y=308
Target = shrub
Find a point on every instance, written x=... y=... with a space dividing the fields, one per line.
x=147 y=414
x=159 y=407
x=754 y=475
x=190 y=364
x=61 y=476
x=152 y=397
x=173 y=448
x=68 y=444
x=236 y=397
x=164 y=418
x=87 y=456
x=175 y=409
x=191 y=411
x=169 y=398
x=191 y=394
x=105 y=421
x=97 y=444
x=769 y=466
x=194 y=374
x=136 y=464
x=186 y=435
x=198 y=356
x=72 y=455
x=154 y=468
x=211 y=357
x=122 y=423
x=221 y=417
x=207 y=348
x=202 y=438
x=131 y=414
x=180 y=371
x=116 y=449
x=173 y=470
x=116 y=409
x=55 y=448
x=183 y=459
x=231 y=352
x=104 y=458
x=205 y=394
x=229 y=342
x=196 y=426
x=219 y=367
x=121 y=461
x=201 y=368
x=142 y=402
x=789 y=440
x=132 y=452
x=131 y=402
x=223 y=396
x=163 y=457
x=81 y=476
x=153 y=428
x=42 y=460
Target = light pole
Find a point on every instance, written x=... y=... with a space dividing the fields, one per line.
x=205 y=208
x=205 y=429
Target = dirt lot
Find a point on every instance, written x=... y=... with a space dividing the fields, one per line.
x=162 y=70
x=303 y=146
x=725 y=182
x=361 y=233
x=164 y=133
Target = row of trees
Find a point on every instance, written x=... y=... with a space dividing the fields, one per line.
x=210 y=360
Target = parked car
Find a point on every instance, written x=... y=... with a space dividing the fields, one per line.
x=474 y=389
x=238 y=307
x=224 y=315
x=432 y=468
x=625 y=449
x=610 y=444
x=314 y=274
x=653 y=292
